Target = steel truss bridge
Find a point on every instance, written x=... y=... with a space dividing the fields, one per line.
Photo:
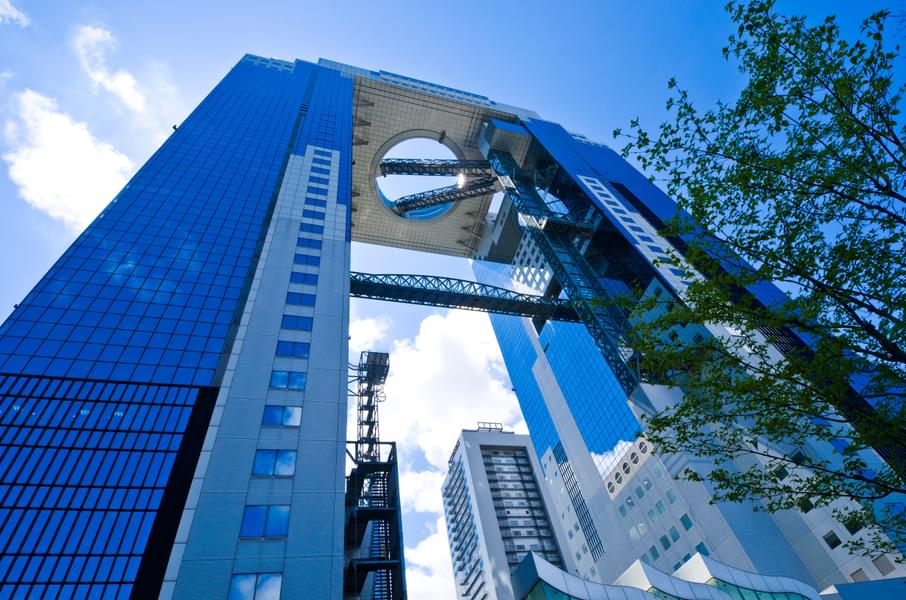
x=457 y=293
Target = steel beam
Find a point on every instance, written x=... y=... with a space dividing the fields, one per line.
x=434 y=166
x=457 y=293
x=452 y=193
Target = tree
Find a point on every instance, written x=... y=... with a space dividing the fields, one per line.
x=800 y=182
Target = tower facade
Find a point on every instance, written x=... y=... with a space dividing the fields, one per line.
x=585 y=422
x=497 y=511
x=173 y=391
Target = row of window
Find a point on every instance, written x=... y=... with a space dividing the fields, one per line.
x=272 y=521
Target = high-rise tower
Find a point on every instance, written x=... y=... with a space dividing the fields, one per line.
x=173 y=391
x=497 y=510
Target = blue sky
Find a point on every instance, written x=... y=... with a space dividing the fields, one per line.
x=89 y=89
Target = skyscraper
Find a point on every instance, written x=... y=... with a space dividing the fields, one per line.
x=174 y=389
x=584 y=420
x=497 y=510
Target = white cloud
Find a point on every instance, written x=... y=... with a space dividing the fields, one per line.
x=150 y=98
x=58 y=165
x=429 y=570
x=91 y=46
x=366 y=334
x=420 y=491
x=11 y=14
x=445 y=380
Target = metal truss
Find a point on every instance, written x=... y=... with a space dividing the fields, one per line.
x=453 y=193
x=370 y=375
x=457 y=293
x=554 y=235
x=434 y=166
x=372 y=496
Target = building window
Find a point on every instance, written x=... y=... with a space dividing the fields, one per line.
x=311 y=228
x=308 y=243
x=674 y=534
x=654 y=553
x=665 y=543
x=307 y=259
x=292 y=349
x=304 y=278
x=296 y=322
x=256 y=586
x=659 y=506
x=313 y=214
x=671 y=496
x=274 y=463
x=859 y=575
x=282 y=416
x=853 y=524
x=805 y=505
x=639 y=492
x=884 y=565
x=831 y=539
x=299 y=299
x=288 y=380
x=702 y=549
x=265 y=521
x=686 y=521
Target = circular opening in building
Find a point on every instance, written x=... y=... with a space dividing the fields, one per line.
x=643 y=447
x=626 y=468
x=634 y=458
x=610 y=487
x=618 y=478
x=391 y=188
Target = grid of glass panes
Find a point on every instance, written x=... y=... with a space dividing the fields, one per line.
x=149 y=291
x=83 y=469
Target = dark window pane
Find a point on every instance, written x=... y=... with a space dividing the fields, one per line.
x=300 y=299
x=296 y=322
x=273 y=416
x=306 y=278
x=253 y=521
x=264 y=463
x=831 y=539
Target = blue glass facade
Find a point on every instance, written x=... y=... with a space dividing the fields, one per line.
x=110 y=367
x=595 y=398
